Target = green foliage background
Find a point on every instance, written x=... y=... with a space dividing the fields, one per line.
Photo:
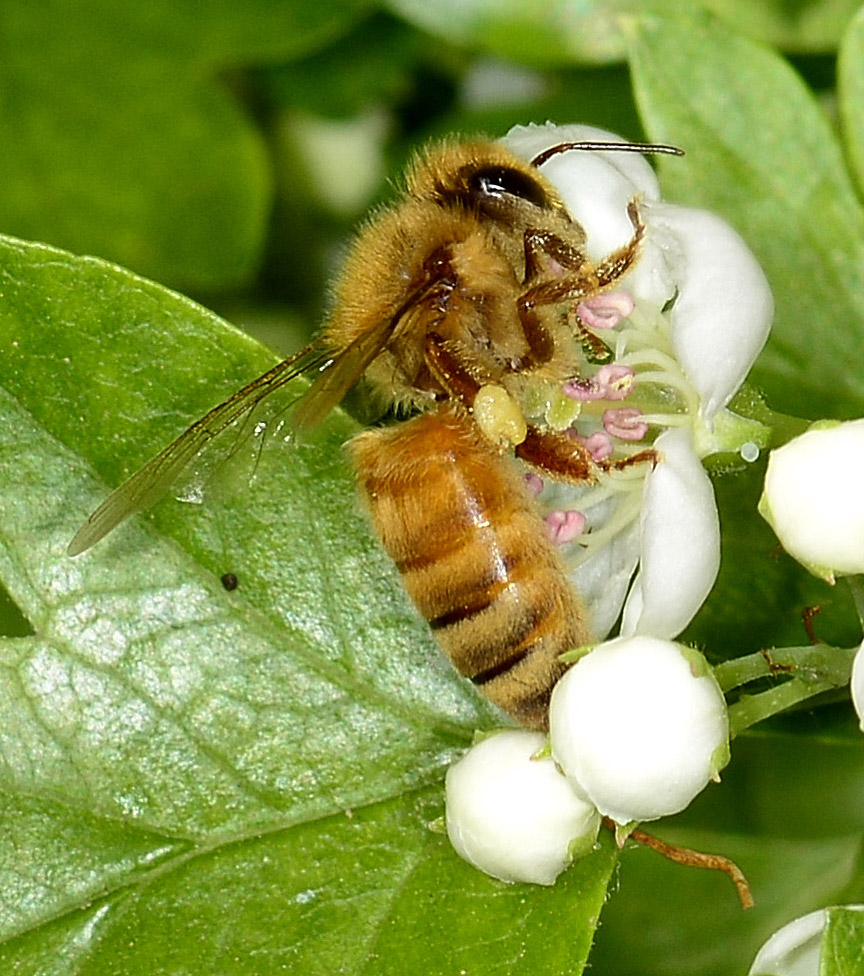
x=193 y=781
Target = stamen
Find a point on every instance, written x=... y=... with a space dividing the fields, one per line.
x=626 y=423
x=613 y=381
x=626 y=513
x=606 y=310
x=583 y=390
x=534 y=483
x=564 y=527
x=598 y=444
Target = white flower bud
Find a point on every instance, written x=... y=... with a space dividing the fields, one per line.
x=513 y=816
x=813 y=498
x=795 y=949
x=857 y=684
x=639 y=726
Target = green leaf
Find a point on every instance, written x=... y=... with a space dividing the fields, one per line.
x=201 y=781
x=814 y=26
x=122 y=141
x=561 y=31
x=763 y=154
x=850 y=92
x=843 y=943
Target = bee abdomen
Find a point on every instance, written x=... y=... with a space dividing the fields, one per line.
x=474 y=557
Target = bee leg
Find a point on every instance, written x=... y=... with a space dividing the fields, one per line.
x=619 y=262
x=575 y=278
x=450 y=370
x=494 y=410
x=558 y=454
x=547 y=254
x=578 y=278
x=567 y=458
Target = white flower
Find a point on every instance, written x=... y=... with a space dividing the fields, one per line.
x=639 y=726
x=513 y=816
x=684 y=329
x=856 y=685
x=795 y=949
x=814 y=498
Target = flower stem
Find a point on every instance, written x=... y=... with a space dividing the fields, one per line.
x=809 y=671
x=749 y=403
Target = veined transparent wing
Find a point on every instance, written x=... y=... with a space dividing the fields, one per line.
x=336 y=375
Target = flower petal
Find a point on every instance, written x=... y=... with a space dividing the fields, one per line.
x=796 y=949
x=515 y=816
x=595 y=186
x=680 y=542
x=856 y=685
x=723 y=312
x=603 y=579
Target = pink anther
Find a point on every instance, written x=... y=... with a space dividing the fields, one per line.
x=564 y=527
x=616 y=380
x=534 y=483
x=625 y=423
x=598 y=444
x=613 y=381
x=605 y=311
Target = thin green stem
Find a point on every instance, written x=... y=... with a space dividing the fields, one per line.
x=813 y=662
x=748 y=402
x=803 y=673
x=755 y=708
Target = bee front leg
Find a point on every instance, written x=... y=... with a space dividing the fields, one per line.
x=548 y=255
x=574 y=277
x=493 y=409
x=619 y=262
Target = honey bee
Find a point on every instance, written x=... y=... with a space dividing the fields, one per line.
x=451 y=302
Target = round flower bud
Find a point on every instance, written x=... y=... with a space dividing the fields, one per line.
x=513 y=816
x=795 y=949
x=639 y=726
x=857 y=684
x=813 y=498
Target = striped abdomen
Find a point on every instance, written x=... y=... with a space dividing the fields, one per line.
x=474 y=557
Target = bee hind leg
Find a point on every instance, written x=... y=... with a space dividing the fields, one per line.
x=568 y=459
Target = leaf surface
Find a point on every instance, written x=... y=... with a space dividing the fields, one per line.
x=195 y=780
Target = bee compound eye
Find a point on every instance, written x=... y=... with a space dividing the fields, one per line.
x=494 y=182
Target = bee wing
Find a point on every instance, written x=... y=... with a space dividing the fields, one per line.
x=336 y=376
x=340 y=374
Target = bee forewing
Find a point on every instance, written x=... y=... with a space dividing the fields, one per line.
x=339 y=375
x=151 y=482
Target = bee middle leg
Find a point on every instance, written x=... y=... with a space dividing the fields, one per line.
x=496 y=413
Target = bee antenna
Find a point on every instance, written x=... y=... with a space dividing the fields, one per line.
x=635 y=147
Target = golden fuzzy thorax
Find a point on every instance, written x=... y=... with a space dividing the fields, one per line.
x=385 y=269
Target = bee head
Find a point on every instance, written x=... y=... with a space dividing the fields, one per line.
x=485 y=179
